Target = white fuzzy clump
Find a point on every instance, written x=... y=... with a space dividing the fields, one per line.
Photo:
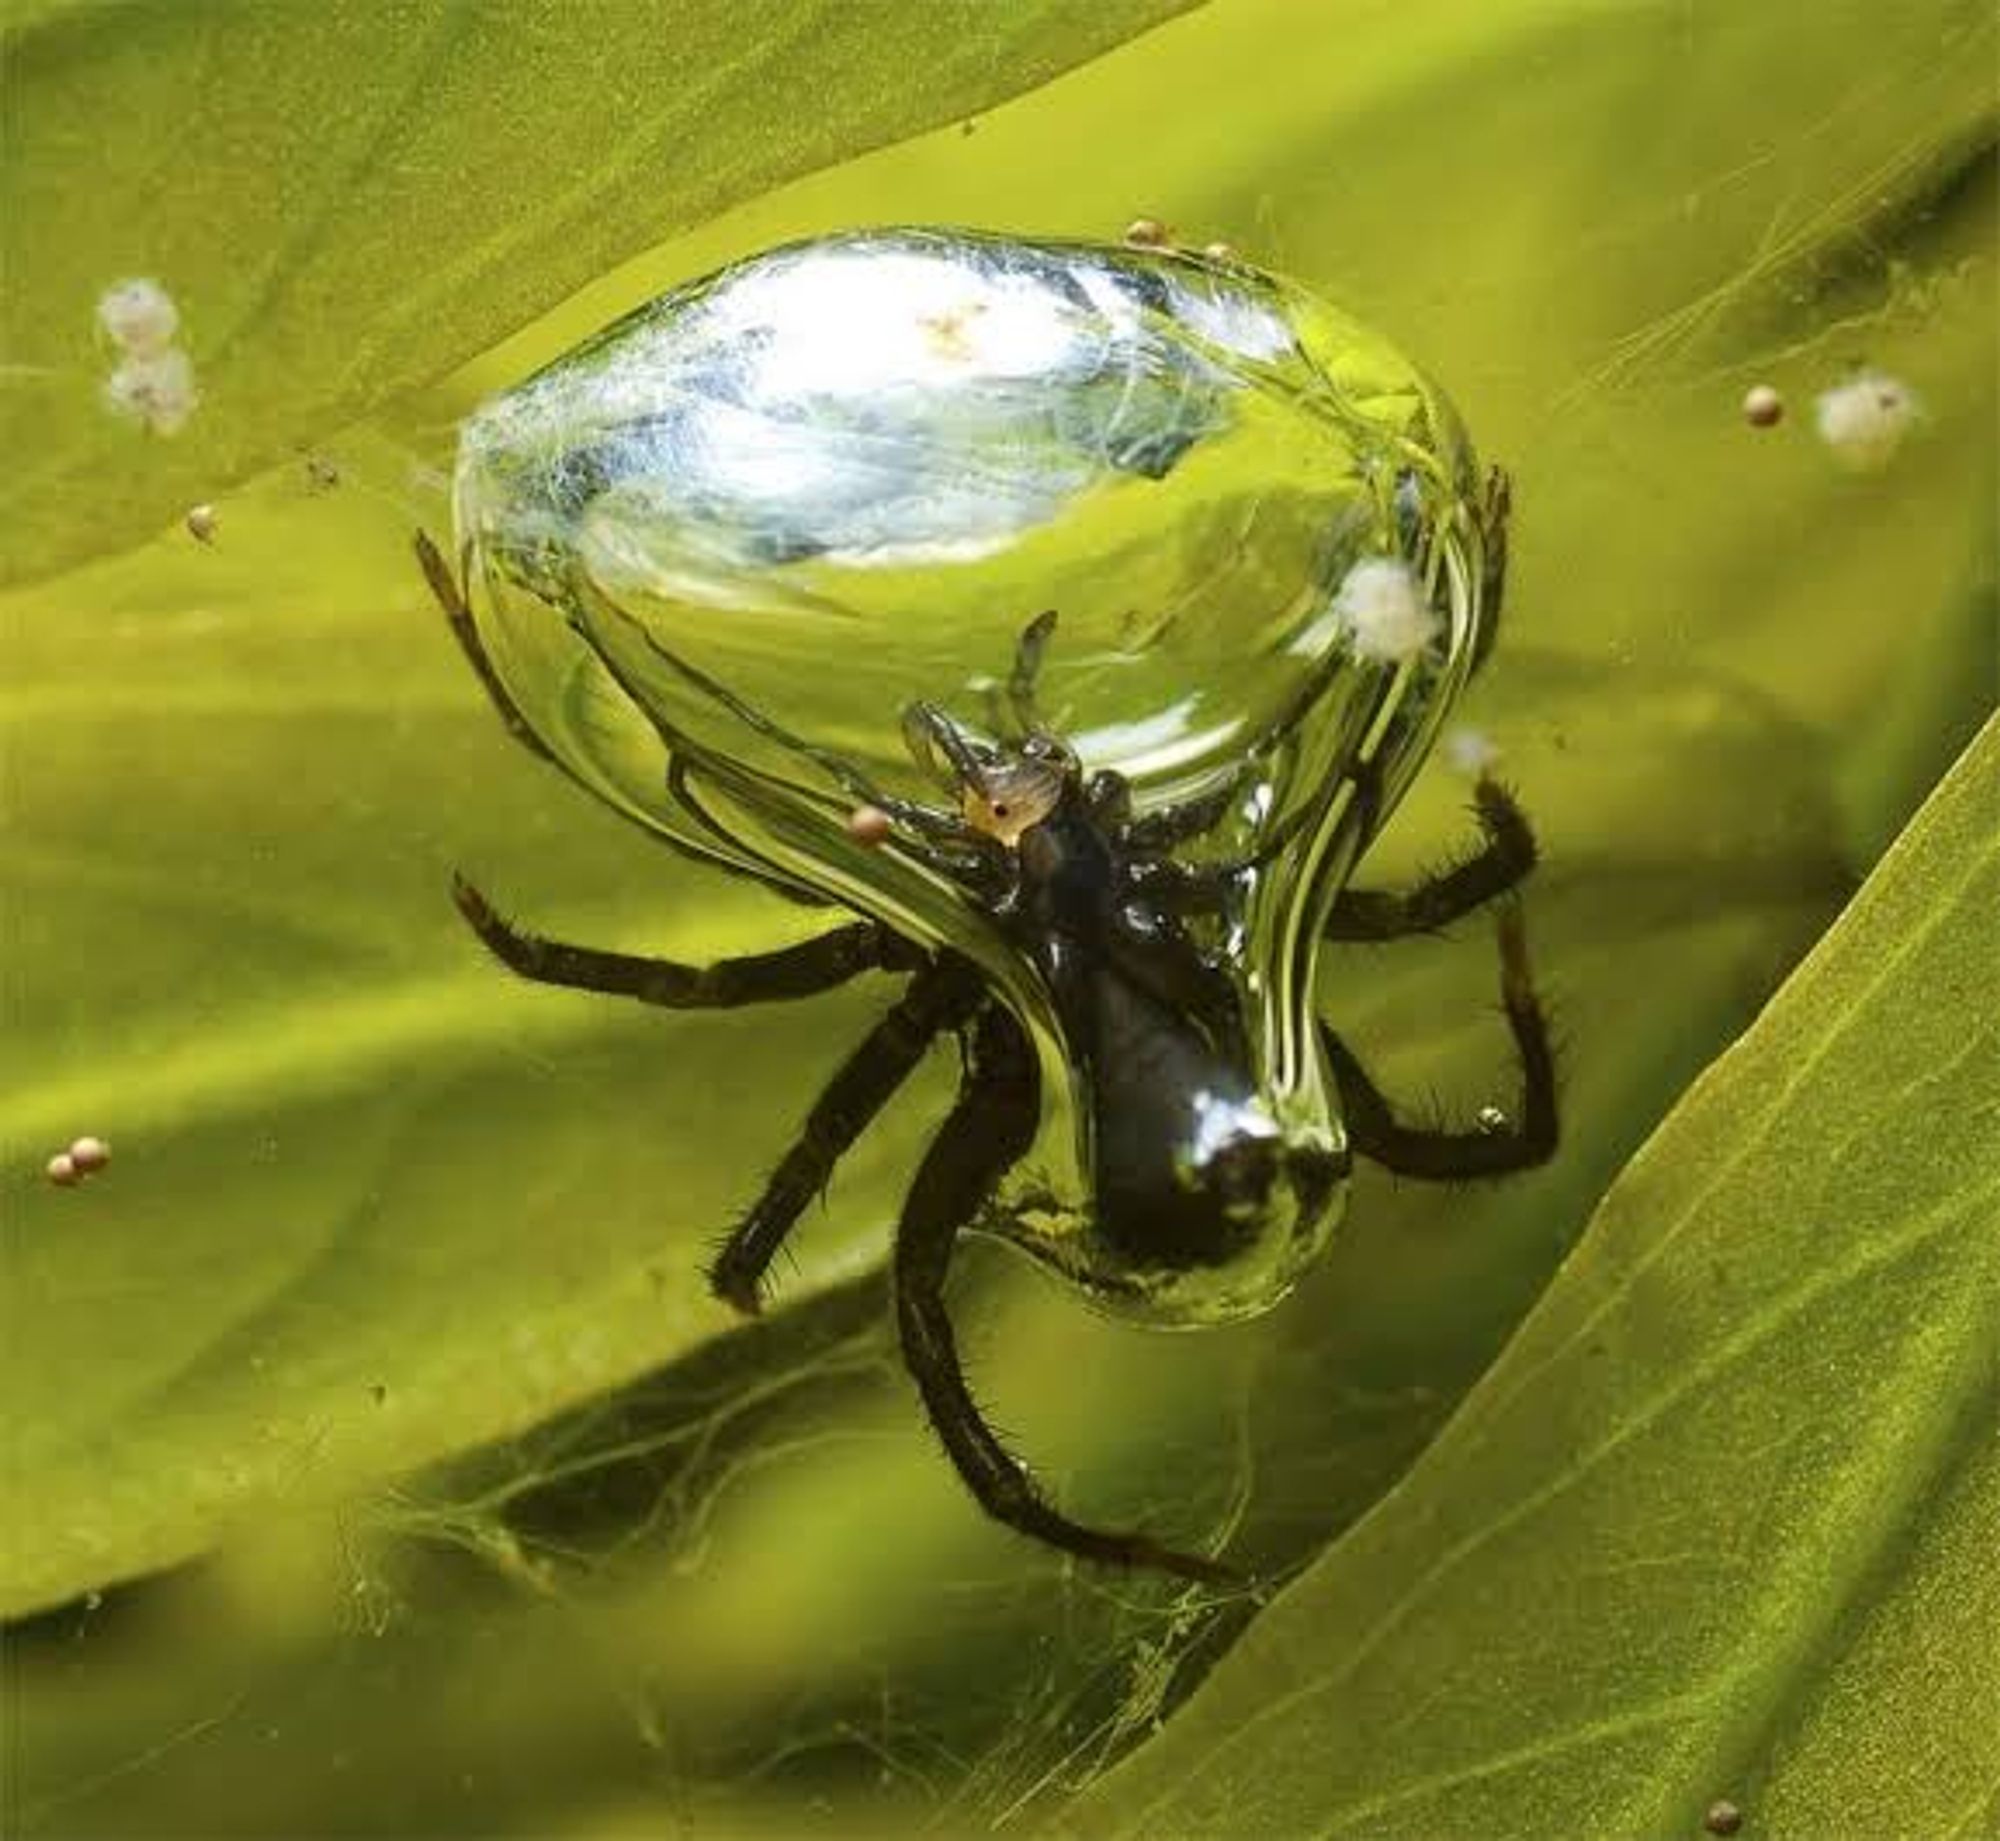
x=153 y=382
x=1381 y=606
x=157 y=390
x=139 y=317
x=1471 y=752
x=1864 y=421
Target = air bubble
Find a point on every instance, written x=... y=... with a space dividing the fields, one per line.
x=869 y=825
x=1763 y=407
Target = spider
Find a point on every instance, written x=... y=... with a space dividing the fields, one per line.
x=1187 y=1171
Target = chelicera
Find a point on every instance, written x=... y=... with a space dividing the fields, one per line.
x=1187 y=1168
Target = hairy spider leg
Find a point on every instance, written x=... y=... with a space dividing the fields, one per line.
x=1180 y=824
x=929 y=732
x=942 y=996
x=450 y=596
x=1494 y=506
x=1450 y=1156
x=990 y=1128
x=1022 y=680
x=1500 y=864
x=813 y=966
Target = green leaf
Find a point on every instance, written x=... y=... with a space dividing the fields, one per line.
x=348 y=199
x=1713 y=1525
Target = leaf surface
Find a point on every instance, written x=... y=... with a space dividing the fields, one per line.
x=1690 y=1536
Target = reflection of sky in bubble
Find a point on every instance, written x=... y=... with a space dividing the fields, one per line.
x=844 y=477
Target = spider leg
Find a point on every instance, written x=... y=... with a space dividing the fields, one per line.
x=942 y=996
x=989 y=1129
x=1494 y=506
x=1027 y=669
x=815 y=965
x=1449 y=1156
x=1500 y=864
x=1107 y=797
x=445 y=585
x=1177 y=824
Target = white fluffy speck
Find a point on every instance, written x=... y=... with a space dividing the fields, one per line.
x=1382 y=608
x=158 y=390
x=1471 y=752
x=139 y=316
x=1864 y=421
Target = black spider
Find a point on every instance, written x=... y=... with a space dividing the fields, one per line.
x=1088 y=894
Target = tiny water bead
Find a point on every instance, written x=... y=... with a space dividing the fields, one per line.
x=870 y=825
x=85 y=1157
x=1763 y=407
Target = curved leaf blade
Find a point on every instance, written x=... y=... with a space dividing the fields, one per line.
x=347 y=200
x=1626 y=1580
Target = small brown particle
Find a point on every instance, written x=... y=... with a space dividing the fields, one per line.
x=870 y=825
x=1147 y=233
x=1723 y=1817
x=322 y=475
x=201 y=522
x=1763 y=407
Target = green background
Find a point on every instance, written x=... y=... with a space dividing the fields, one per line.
x=375 y=1461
